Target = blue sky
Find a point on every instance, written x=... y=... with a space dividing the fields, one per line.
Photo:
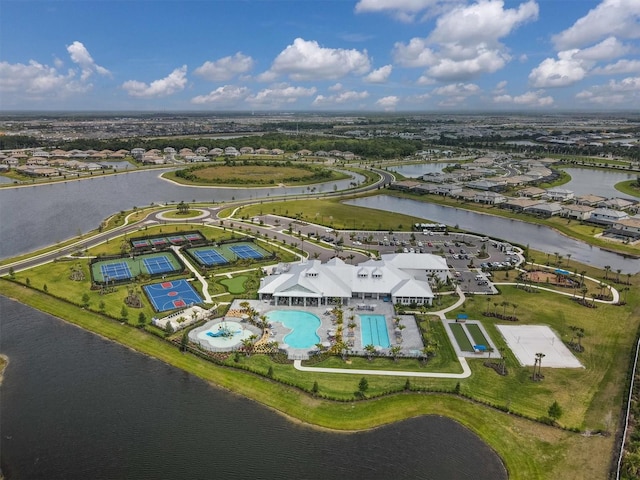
x=333 y=55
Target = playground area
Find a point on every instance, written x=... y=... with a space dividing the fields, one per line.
x=557 y=277
x=525 y=341
x=171 y=295
x=127 y=268
x=223 y=334
x=226 y=253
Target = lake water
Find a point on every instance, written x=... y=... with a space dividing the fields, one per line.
x=75 y=406
x=597 y=182
x=417 y=170
x=37 y=216
x=538 y=237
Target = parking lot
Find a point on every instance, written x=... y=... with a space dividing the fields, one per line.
x=466 y=254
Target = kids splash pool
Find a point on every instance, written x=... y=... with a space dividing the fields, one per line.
x=223 y=335
x=304 y=326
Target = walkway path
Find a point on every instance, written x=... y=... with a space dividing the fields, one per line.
x=205 y=284
x=466 y=371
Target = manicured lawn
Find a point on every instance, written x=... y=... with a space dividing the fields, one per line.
x=235 y=285
x=477 y=335
x=330 y=212
x=461 y=337
x=629 y=187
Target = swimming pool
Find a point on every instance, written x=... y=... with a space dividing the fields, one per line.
x=303 y=325
x=374 y=331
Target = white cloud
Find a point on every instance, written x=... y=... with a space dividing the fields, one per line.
x=425 y=80
x=226 y=95
x=341 y=98
x=528 y=99
x=458 y=90
x=466 y=41
x=617 y=18
x=34 y=81
x=335 y=88
x=172 y=83
x=81 y=56
x=621 y=66
x=564 y=71
x=281 y=94
x=607 y=49
x=381 y=75
x=415 y=54
x=225 y=68
x=625 y=93
x=483 y=22
x=388 y=103
x=307 y=60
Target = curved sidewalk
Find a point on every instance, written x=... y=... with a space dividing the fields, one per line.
x=466 y=371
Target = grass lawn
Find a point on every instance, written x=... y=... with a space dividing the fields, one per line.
x=629 y=187
x=235 y=285
x=332 y=213
x=461 y=337
x=185 y=215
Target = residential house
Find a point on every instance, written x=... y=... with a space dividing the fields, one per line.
x=531 y=192
x=576 y=211
x=617 y=203
x=489 y=198
x=519 y=204
x=607 y=216
x=591 y=200
x=559 y=194
x=628 y=227
x=544 y=209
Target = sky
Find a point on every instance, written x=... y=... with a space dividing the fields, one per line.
x=320 y=55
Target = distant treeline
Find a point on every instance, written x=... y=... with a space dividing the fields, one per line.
x=383 y=147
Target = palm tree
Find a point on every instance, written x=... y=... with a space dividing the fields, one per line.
x=503 y=359
x=568 y=258
x=607 y=268
x=247 y=345
x=618 y=272
x=395 y=350
x=371 y=351
x=504 y=309
x=584 y=291
x=539 y=357
x=514 y=305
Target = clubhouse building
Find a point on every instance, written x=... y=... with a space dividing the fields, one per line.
x=398 y=278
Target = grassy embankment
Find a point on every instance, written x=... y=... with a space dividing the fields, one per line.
x=630 y=187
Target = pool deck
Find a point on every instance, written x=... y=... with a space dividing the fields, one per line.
x=408 y=338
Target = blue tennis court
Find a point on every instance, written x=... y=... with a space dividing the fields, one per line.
x=158 y=265
x=209 y=257
x=115 y=271
x=246 y=251
x=170 y=295
x=194 y=237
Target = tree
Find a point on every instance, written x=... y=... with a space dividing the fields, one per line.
x=555 y=411
x=45 y=288
x=102 y=306
x=85 y=299
x=315 y=389
x=124 y=313
x=12 y=273
x=184 y=342
x=395 y=351
x=142 y=319
x=363 y=385
x=607 y=269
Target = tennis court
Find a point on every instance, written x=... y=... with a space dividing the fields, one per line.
x=140 y=243
x=171 y=295
x=209 y=256
x=115 y=271
x=158 y=265
x=127 y=268
x=159 y=242
x=194 y=237
x=246 y=251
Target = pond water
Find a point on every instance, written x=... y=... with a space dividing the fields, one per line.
x=75 y=406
